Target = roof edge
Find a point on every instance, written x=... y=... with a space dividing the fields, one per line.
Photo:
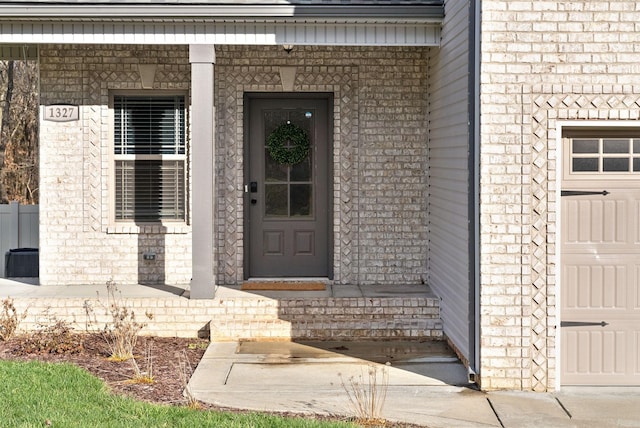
x=427 y=13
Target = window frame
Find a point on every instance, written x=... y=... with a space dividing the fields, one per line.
x=127 y=224
x=570 y=133
x=601 y=155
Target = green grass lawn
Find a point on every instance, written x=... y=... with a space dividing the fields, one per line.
x=34 y=394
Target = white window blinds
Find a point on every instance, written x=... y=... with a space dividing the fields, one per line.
x=149 y=151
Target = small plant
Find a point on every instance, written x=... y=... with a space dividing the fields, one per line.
x=184 y=372
x=52 y=337
x=198 y=345
x=140 y=376
x=367 y=394
x=9 y=319
x=121 y=334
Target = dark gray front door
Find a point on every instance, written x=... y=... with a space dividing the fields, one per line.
x=287 y=205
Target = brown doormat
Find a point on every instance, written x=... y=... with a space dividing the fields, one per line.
x=284 y=285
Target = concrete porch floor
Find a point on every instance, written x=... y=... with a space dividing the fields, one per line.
x=28 y=287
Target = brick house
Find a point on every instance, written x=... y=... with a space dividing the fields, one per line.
x=443 y=135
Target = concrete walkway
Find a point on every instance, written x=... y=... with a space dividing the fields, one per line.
x=427 y=385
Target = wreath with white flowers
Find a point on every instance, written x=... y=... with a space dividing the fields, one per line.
x=299 y=140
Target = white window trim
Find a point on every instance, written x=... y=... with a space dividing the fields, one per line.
x=164 y=226
x=577 y=130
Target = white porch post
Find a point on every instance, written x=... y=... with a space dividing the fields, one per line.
x=202 y=59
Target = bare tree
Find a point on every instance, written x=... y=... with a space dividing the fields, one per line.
x=7 y=92
x=19 y=132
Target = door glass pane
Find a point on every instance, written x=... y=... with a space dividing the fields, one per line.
x=585 y=164
x=615 y=146
x=585 y=146
x=300 y=199
x=302 y=171
x=276 y=199
x=299 y=118
x=636 y=164
x=273 y=119
x=615 y=164
x=636 y=146
x=273 y=170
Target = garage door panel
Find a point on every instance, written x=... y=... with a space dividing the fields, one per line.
x=597 y=356
x=636 y=216
x=635 y=291
x=597 y=221
x=636 y=348
x=600 y=284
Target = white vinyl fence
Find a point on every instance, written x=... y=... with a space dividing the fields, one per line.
x=18 y=229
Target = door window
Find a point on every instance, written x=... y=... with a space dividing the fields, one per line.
x=288 y=188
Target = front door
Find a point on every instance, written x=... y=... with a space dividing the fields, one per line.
x=287 y=191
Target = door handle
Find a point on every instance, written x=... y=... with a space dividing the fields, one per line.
x=582 y=323
x=583 y=192
x=254 y=201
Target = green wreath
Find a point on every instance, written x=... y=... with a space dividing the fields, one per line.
x=288 y=132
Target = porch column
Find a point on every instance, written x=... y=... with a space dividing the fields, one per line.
x=202 y=59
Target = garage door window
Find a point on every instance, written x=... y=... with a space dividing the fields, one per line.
x=605 y=155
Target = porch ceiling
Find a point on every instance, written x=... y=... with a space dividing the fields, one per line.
x=358 y=23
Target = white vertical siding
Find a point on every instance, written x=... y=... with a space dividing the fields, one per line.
x=448 y=255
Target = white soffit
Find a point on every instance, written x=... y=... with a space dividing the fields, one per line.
x=234 y=33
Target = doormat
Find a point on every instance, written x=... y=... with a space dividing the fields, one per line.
x=284 y=286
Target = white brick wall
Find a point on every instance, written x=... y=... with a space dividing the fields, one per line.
x=534 y=55
x=248 y=318
x=379 y=161
x=79 y=243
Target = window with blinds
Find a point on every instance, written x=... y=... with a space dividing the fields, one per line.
x=150 y=156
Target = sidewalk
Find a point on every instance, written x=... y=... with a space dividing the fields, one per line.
x=426 y=387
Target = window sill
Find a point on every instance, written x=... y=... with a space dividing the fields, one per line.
x=151 y=229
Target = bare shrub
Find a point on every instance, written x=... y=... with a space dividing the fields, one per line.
x=143 y=376
x=367 y=394
x=185 y=372
x=54 y=336
x=9 y=319
x=122 y=330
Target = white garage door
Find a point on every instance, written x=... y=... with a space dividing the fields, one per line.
x=600 y=259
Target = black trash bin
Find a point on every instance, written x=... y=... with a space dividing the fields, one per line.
x=21 y=263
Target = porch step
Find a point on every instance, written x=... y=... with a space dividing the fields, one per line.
x=338 y=313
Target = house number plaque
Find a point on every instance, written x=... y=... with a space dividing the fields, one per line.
x=62 y=113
